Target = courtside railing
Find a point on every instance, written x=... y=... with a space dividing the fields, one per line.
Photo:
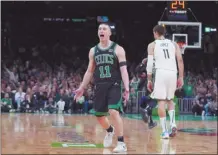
x=185 y=104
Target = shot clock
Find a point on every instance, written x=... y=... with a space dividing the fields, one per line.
x=177 y=5
x=177 y=10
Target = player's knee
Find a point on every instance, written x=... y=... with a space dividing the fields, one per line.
x=161 y=104
x=114 y=112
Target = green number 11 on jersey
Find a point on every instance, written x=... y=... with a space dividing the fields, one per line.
x=105 y=72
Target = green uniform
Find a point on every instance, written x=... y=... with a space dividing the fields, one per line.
x=107 y=78
x=7 y=101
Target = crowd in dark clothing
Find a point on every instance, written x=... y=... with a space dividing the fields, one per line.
x=36 y=87
x=200 y=89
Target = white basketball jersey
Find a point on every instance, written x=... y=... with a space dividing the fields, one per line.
x=165 y=55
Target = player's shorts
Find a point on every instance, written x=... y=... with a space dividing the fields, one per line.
x=107 y=96
x=165 y=84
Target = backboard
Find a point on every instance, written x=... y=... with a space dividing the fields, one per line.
x=189 y=33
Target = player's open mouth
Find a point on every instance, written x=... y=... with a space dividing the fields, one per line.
x=101 y=35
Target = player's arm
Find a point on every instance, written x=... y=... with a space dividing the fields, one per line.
x=123 y=66
x=90 y=70
x=179 y=61
x=144 y=61
x=150 y=60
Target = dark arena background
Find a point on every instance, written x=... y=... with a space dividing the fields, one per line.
x=44 y=55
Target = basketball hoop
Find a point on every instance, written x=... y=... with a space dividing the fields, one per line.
x=182 y=47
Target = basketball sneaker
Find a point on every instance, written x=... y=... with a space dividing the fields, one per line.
x=165 y=135
x=152 y=125
x=120 y=148
x=108 y=139
x=144 y=114
x=173 y=131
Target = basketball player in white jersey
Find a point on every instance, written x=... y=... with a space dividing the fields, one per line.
x=164 y=53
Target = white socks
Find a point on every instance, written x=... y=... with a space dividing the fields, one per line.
x=163 y=124
x=172 y=117
x=172 y=120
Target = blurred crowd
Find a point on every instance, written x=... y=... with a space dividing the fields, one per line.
x=35 y=86
x=199 y=89
x=204 y=91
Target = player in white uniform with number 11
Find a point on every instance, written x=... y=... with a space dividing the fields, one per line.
x=163 y=53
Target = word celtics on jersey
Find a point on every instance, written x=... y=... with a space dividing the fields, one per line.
x=107 y=64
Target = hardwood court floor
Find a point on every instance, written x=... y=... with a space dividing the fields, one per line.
x=36 y=134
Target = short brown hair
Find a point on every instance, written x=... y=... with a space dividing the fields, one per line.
x=159 y=29
x=106 y=23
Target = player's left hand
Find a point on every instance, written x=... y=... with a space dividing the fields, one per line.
x=126 y=96
x=150 y=86
x=180 y=83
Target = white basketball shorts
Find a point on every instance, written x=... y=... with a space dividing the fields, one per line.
x=165 y=84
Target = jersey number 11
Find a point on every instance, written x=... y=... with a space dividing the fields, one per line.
x=105 y=72
x=166 y=53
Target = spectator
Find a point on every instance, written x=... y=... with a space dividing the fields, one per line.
x=35 y=98
x=133 y=98
x=213 y=107
x=209 y=101
x=26 y=105
x=201 y=89
x=11 y=96
x=90 y=96
x=189 y=89
x=50 y=106
x=42 y=99
x=13 y=76
x=80 y=103
x=198 y=106
x=60 y=105
x=19 y=97
x=66 y=98
x=6 y=103
x=3 y=89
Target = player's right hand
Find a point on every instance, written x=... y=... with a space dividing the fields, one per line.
x=150 y=86
x=126 y=97
x=78 y=93
x=180 y=83
x=144 y=61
